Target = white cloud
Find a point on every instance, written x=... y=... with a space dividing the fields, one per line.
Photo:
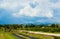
x=28 y=11
x=43 y=8
x=8 y=5
x=49 y=14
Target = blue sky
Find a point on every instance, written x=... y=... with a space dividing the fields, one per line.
x=29 y=11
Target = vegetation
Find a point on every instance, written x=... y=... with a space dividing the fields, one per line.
x=6 y=30
x=37 y=36
x=6 y=35
x=53 y=28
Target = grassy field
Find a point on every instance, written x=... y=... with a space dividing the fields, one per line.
x=6 y=35
x=12 y=31
x=38 y=36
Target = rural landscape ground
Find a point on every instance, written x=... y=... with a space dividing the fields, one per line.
x=29 y=19
x=32 y=31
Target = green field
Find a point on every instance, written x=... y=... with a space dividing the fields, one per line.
x=38 y=36
x=6 y=35
x=7 y=31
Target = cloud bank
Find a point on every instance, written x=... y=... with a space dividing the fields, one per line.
x=18 y=9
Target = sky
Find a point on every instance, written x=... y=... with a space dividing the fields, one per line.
x=29 y=11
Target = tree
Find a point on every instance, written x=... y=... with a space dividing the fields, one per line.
x=52 y=25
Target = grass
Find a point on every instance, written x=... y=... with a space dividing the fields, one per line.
x=38 y=36
x=45 y=32
x=6 y=35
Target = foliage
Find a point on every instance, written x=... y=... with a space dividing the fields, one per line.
x=45 y=28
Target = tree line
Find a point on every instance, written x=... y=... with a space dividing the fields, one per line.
x=41 y=27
